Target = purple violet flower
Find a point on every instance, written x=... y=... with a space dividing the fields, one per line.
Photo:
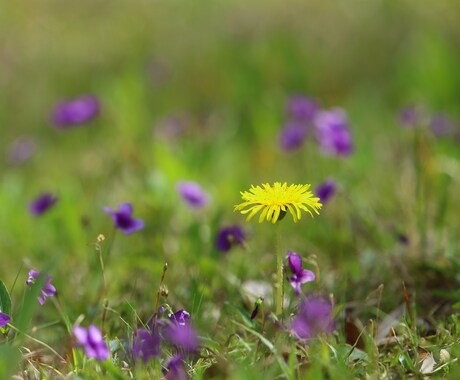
x=332 y=132
x=75 y=112
x=21 y=150
x=48 y=289
x=326 y=190
x=314 y=317
x=299 y=276
x=146 y=345
x=4 y=319
x=180 y=317
x=192 y=194
x=92 y=341
x=227 y=237
x=441 y=125
x=184 y=337
x=301 y=108
x=292 y=136
x=123 y=220
x=409 y=116
x=175 y=368
x=42 y=203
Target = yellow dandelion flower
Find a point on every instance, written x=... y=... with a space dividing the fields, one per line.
x=275 y=200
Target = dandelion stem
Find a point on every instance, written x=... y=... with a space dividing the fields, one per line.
x=279 y=273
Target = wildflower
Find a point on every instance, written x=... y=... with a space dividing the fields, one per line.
x=228 y=237
x=175 y=368
x=275 y=200
x=333 y=133
x=21 y=150
x=180 y=317
x=123 y=219
x=326 y=190
x=299 y=276
x=4 y=319
x=180 y=333
x=146 y=345
x=301 y=108
x=42 y=203
x=48 y=289
x=292 y=136
x=259 y=301
x=192 y=193
x=441 y=125
x=409 y=116
x=314 y=317
x=75 y=112
x=92 y=341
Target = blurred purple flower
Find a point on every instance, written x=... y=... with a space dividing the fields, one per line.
x=180 y=317
x=77 y=111
x=42 y=203
x=402 y=238
x=292 y=136
x=409 y=116
x=326 y=190
x=192 y=194
x=172 y=127
x=314 y=317
x=92 y=341
x=123 y=220
x=332 y=132
x=4 y=319
x=146 y=345
x=184 y=337
x=175 y=369
x=21 y=150
x=301 y=108
x=441 y=125
x=299 y=276
x=228 y=237
x=48 y=289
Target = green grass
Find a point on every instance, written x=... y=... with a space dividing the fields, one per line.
x=226 y=69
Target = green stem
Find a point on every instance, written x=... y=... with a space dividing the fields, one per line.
x=279 y=274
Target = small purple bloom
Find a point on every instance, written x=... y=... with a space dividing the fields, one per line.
x=441 y=125
x=146 y=345
x=292 y=136
x=314 y=317
x=409 y=116
x=4 y=319
x=228 y=237
x=75 y=112
x=48 y=289
x=192 y=194
x=172 y=127
x=180 y=317
x=402 y=238
x=182 y=336
x=260 y=300
x=123 y=220
x=301 y=108
x=326 y=190
x=299 y=276
x=92 y=341
x=42 y=203
x=332 y=132
x=175 y=369
x=21 y=150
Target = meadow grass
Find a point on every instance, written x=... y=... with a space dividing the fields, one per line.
x=197 y=92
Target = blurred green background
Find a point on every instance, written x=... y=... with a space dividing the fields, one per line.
x=226 y=70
